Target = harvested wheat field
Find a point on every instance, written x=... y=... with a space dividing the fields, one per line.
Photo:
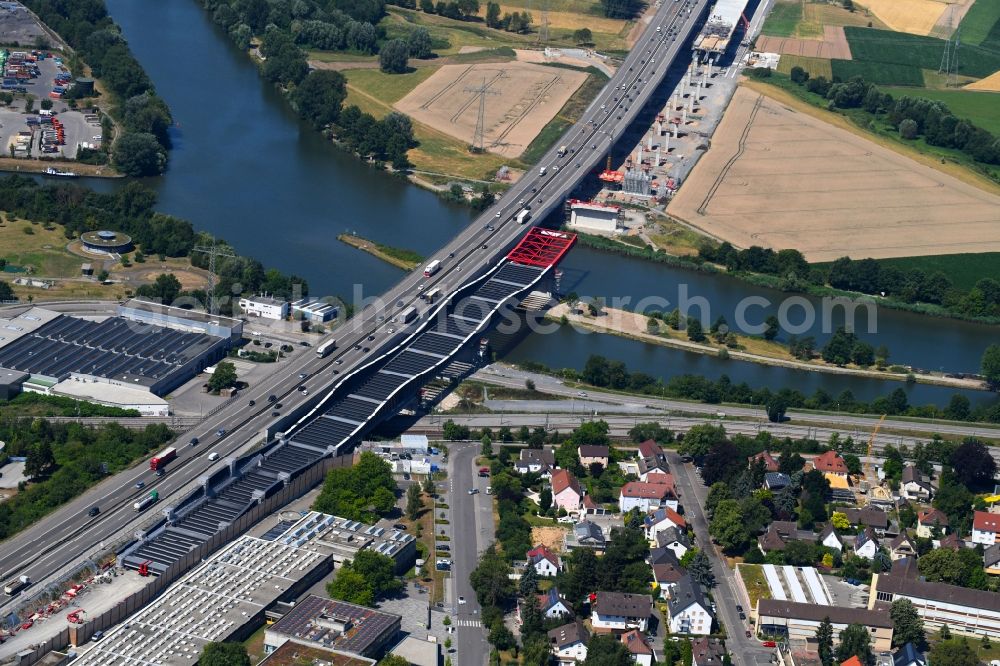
x=782 y=179
x=521 y=99
x=917 y=17
x=833 y=45
x=990 y=84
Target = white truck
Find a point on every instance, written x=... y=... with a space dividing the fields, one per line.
x=523 y=216
x=541 y=172
x=562 y=151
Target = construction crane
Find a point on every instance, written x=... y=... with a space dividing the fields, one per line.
x=869 y=468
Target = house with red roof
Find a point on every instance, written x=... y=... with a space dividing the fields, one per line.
x=985 y=527
x=928 y=519
x=651 y=459
x=830 y=463
x=661 y=520
x=544 y=561
x=648 y=496
x=770 y=464
x=637 y=647
x=566 y=493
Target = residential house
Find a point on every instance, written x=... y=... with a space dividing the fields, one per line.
x=902 y=546
x=651 y=459
x=951 y=542
x=868 y=517
x=991 y=559
x=592 y=453
x=569 y=643
x=540 y=461
x=985 y=526
x=638 y=648
x=829 y=538
x=585 y=534
x=852 y=661
x=707 y=651
x=966 y=611
x=663 y=519
x=553 y=605
x=544 y=561
x=566 y=493
x=675 y=539
x=909 y=655
x=618 y=612
x=771 y=540
x=928 y=519
x=831 y=463
x=666 y=576
x=775 y=481
x=647 y=496
x=913 y=485
x=688 y=611
x=866 y=545
x=662 y=555
x=799 y=621
x=770 y=464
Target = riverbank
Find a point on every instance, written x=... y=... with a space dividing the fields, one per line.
x=405 y=259
x=634 y=326
x=14 y=165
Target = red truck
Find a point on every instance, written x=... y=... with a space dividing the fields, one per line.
x=160 y=460
x=484 y=471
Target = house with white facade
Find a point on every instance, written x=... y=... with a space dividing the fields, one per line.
x=985 y=526
x=591 y=454
x=544 y=561
x=652 y=459
x=675 y=539
x=569 y=643
x=688 y=610
x=829 y=538
x=661 y=520
x=539 y=461
x=914 y=486
x=866 y=545
x=928 y=520
x=265 y=307
x=553 y=605
x=618 y=612
x=648 y=496
x=902 y=546
x=566 y=493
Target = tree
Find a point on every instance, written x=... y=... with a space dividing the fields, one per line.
x=429 y=486
x=695 y=331
x=393 y=56
x=838 y=348
x=907 y=625
x=908 y=128
x=140 y=154
x=395 y=660
x=773 y=327
x=700 y=568
x=798 y=75
x=349 y=585
x=953 y=652
x=545 y=499
x=824 y=639
x=224 y=376
x=990 y=366
x=224 y=654
x=528 y=583
x=320 y=96
x=40 y=460
x=776 y=409
x=486 y=446
x=419 y=42
x=716 y=493
x=413 y=501
x=491 y=580
x=855 y=641
x=840 y=521
x=492 y=14
x=700 y=438
x=583 y=36
x=973 y=465
x=607 y=651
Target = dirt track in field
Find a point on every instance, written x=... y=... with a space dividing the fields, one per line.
x=779 y=178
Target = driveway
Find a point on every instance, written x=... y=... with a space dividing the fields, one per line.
x=745 y=651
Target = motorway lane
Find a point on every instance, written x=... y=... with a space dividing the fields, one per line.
x=468 y=526
x=745 y=651
x=40 y=550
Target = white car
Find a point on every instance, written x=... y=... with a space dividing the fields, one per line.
x=461 y=600
x=473 y=491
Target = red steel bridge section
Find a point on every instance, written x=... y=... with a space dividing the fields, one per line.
x=542 y=247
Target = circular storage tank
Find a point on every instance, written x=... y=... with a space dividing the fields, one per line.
x=106 y=242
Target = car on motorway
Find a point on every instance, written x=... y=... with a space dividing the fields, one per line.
x=220 y=432
x=365 y=349
x=194 y=441
x=357 y=347
x=272 y=398
x=339 y=361
x=277 y=405
x=451 y=255
x=94 y=510
x=213 y=456
x=489 y=227
x=370 y=338
x=251 y=403
x=302 y=375
x=140 y=484
x=275 y=414
x=498 y=215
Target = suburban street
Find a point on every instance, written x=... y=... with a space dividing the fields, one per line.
x=745 y=651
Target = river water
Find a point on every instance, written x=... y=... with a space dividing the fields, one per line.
x=245 y=168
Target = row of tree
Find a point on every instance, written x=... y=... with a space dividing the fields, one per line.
x=141 y=149
x=912 y=116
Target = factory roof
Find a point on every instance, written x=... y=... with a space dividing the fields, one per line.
x=16 y=326
x=838 y=614
x=296 y=654
x=336 y=624
x=169 y=310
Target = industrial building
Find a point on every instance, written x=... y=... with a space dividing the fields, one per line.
x=314 y=310
x=965 y=610
x=296 y=654
x=344 y=627
x=799 y=621
x=593 y=216
x=345 y=538
x=113 y=352
x=106 y=242
x=265 y=307
x=181 y=319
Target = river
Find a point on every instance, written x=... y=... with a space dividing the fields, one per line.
x=245 y=168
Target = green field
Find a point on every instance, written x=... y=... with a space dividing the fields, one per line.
x=982 y=108
x=783 y=19
x=963 y=269
x=983 y=17
x=883 y=73
x=883 y=46
x=388 y=88
x=815 y=66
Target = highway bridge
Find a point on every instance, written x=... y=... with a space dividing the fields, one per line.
x=378 y=361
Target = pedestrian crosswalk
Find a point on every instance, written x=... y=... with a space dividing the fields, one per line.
x=468 y=623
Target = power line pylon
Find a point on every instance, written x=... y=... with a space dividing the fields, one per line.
x=477 y=138
x=543 y=31
x=213 y=251
x=949 y=59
